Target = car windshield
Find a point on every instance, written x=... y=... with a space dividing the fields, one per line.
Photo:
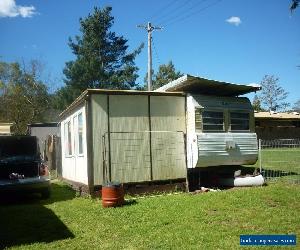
x=18 y=148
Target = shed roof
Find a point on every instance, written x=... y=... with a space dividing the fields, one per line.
x=201 y=85
x=80 y=99
x=276 y=116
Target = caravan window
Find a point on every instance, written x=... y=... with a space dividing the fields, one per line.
x=213 y=120
x=239 y=121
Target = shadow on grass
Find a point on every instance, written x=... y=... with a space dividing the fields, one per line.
x=58 y=193
x=276 y=173
x=209 y=176
x=25 y=219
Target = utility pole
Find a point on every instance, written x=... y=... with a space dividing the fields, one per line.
x=149 y=28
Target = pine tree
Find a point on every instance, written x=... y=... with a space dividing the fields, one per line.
x=102 y=60
x=166 y=73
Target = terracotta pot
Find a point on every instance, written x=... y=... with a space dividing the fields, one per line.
x=112 y=195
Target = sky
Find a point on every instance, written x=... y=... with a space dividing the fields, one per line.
x=228 y=40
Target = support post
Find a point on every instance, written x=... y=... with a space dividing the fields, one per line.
x=259 y=155
x=149 y=29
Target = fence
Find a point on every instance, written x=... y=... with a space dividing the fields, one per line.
x=280 y=157
x=52 y=155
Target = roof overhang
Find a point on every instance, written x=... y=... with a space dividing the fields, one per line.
x=200 y=85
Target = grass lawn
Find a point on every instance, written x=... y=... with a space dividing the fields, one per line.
x=281 y=159
x=280 y=162
x=178 y=221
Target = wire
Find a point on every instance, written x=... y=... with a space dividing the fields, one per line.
x=172 y=11
x=161 y=10
x=155 y=51
x=186 y=12
x=180 y=19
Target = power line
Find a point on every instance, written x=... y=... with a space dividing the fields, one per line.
x=186 y=11
x=155 y=51
x=172 y=11
x=179 y=19
x=161 y=10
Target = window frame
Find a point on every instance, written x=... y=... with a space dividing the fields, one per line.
x=78 y=132
x=241 y=112
x=68 y=138
x=202 y=130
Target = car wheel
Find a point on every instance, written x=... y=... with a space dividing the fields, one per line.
x=45 y=193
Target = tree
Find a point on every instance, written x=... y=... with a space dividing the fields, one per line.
x=272 y=95
x=297 y=106
x=166 y=73
x=24 y=97
x=256 y=104
x=294 y=5
x=102 y=60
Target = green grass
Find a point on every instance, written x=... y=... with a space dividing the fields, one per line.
x=178 y=221
x=279 y=161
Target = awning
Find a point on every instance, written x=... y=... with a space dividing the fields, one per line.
x=200 y=85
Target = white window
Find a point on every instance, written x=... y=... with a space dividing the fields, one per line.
x=68 y=138
x=80 y=134
x=74 y=134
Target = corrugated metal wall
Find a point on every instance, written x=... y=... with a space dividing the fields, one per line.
x=213 y=151
x=213 y=146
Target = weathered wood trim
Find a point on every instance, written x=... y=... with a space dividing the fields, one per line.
x=150 y=138
x=89 y=144
x=109 y=142
x=186 y=144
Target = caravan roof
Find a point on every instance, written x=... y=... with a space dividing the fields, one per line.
x=200 y=85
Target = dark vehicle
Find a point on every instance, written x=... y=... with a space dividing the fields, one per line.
x=21 y=166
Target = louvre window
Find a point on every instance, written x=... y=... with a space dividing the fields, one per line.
x=213 y=120
x=239 y=121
